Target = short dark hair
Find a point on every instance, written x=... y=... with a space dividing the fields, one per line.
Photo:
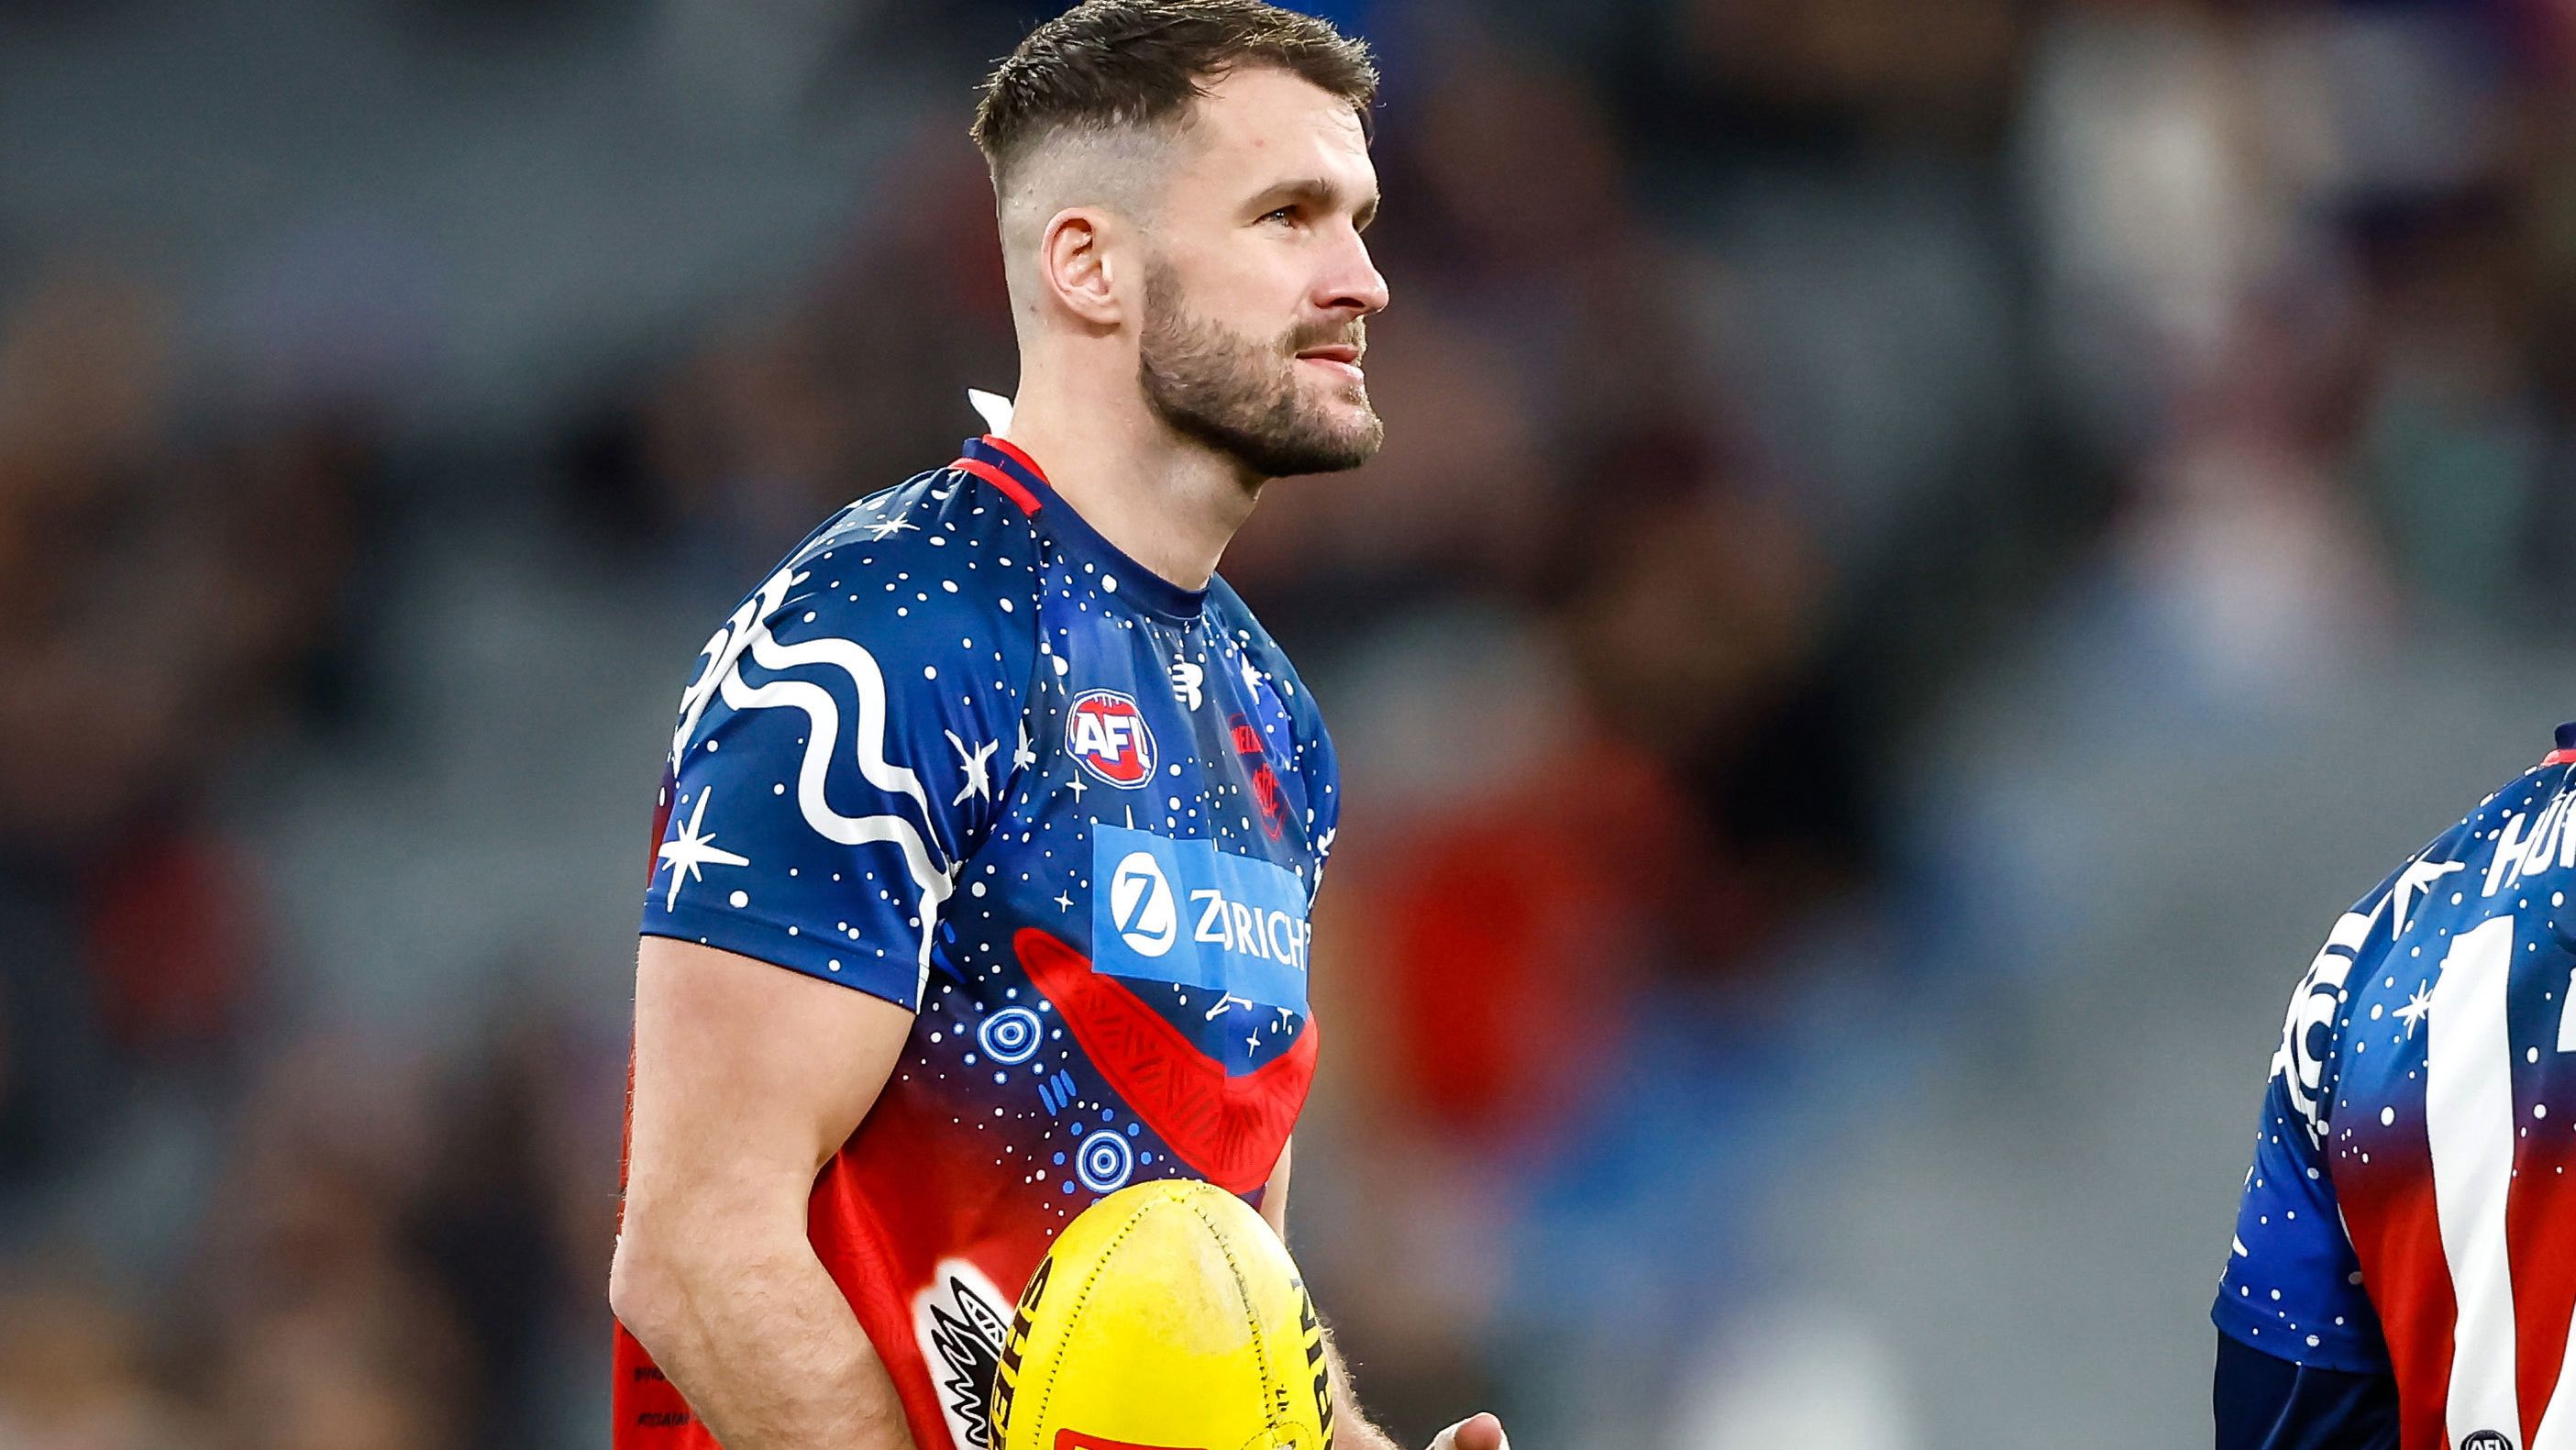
x=1111 y=63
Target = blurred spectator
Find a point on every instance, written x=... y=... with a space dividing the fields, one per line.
x=73 y=1376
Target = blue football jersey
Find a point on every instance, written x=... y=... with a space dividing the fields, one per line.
x=2409 y=1211
x=960 y=753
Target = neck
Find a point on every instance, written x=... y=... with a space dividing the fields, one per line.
x=1165 y=501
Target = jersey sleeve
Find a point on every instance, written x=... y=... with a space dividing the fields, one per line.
x=2292 y=1287
x=837 y=759
x=2257 y=1402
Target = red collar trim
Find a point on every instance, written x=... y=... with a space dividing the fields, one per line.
x=2559 y=757
x=1005 y=467
x=1017 y=454
x=1011 y=487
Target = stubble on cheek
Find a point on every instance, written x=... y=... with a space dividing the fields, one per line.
x=1247 y=398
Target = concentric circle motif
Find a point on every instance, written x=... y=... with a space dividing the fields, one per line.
x=1105 y=1162
x=1010 y=1036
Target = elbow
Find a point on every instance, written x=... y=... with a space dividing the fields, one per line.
x=686 y=1262
x=647 y=1291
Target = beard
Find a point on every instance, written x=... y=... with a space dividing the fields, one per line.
x=1242 y=397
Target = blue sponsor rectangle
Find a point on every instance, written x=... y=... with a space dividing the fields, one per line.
x=1185 y=912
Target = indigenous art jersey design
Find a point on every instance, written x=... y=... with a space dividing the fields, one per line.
x=960 y=753
x=2411 y=1209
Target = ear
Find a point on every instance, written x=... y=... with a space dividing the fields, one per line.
x=1082 y=267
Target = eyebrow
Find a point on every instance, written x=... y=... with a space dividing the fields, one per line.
x=1316 y=192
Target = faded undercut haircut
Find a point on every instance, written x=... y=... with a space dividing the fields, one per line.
x=1111 y=68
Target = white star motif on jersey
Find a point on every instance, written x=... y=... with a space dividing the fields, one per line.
x=2416 y=879
x=1076 y=786
x=1022 y=756
x=686 y=851
x=973 y=763
x=886 y=528
x=1063 y=902
x=2416 y=1008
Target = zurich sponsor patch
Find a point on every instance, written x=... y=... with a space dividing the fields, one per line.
x=1187 y=913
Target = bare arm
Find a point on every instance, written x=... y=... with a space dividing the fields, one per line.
x=748 y=1078
x=1352 y=1428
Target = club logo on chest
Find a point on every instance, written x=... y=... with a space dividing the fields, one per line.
x=1108 y=736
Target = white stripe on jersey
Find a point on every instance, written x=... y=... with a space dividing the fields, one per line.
x=2557 y=1421
x=2468 y=1114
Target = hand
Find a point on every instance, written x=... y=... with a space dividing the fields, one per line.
x=1476 y=1432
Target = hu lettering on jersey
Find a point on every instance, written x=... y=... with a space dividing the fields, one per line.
x=1188 y=913
x=2526 y=847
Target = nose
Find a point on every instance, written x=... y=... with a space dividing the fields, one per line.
x=1356 y=285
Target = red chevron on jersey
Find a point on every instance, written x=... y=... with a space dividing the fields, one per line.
x=1230 y=1128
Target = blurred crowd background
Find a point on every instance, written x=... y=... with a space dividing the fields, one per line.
x=1925 y=551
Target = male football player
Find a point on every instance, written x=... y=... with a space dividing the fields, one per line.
x=993 y=817
x=2404 y=1270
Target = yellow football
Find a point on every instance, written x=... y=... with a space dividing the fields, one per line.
x=1166 y=1317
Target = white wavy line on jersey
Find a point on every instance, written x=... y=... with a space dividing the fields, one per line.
x=724 y=650
x=747 y=632
x=867 y=740
x=821 y=740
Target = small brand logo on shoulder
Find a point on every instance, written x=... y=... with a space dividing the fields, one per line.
x=1107 y=734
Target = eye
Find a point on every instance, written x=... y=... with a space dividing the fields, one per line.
x=1286 y=213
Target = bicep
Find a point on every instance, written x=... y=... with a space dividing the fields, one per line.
x=747 y=1078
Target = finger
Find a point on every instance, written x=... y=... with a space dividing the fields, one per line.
x=1476 y=1432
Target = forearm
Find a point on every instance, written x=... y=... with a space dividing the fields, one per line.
x=764 y=1347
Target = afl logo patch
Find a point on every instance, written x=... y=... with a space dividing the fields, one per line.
x=1108 y=735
